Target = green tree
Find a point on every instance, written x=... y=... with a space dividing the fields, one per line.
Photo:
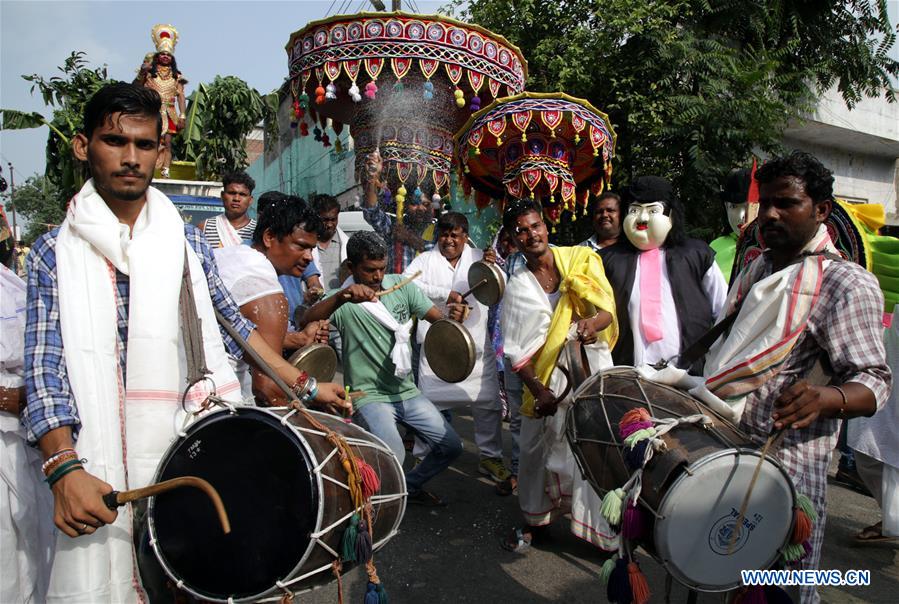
x=220 y=115
x=694 y=86
x=37 y=200
x=67 y=95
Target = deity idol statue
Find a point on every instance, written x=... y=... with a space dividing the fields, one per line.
x=163 y=76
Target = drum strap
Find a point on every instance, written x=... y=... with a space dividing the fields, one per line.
x=700 y=347
x=192 y=330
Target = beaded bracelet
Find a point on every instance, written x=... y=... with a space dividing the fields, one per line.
x=68 y=452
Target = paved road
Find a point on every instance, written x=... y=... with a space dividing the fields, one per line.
x=452 y=554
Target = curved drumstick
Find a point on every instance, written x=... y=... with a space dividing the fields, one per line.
x=116 y=498
x=480 y=283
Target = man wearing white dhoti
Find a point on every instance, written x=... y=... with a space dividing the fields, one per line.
x=557 y=293
x=104 y=348
x=444 y=277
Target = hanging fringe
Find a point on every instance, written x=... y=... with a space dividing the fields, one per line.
x=348 y=542
x=363 y=545
x=371 y=484
x=634 y=456
x=638 y=584
x=611 y=506
x=633 y=526
x=607 y=567
x=619 y=587
x=806 y=505
x=802 y=527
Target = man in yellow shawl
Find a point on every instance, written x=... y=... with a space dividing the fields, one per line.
x=558 y=294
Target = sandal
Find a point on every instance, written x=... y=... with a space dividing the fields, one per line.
x=873 y=534
x=507 y=487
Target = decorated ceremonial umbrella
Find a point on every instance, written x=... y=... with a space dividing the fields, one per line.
x=404 y=83
x=547 y=146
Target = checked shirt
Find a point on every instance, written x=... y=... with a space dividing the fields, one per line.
x=50 y=402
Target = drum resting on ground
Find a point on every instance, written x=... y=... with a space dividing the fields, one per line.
x=695 y=490
x=285 y=490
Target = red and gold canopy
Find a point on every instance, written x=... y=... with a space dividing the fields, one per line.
x=549 y=146
x=401 y=81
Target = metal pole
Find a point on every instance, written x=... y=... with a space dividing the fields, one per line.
x=396 y=5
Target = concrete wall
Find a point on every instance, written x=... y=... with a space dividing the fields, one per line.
x=860 y=146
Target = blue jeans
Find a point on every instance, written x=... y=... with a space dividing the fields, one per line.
x=420 y=415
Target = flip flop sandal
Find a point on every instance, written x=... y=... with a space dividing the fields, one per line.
x=506 y=488
x=516 y=542
x=873 y=534
x=425 y=499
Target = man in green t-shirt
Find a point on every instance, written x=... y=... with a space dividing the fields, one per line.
x=377 y=359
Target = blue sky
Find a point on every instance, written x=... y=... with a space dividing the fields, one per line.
x=240 y=38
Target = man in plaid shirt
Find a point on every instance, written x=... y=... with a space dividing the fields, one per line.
x=120 y=143
x=843 y=334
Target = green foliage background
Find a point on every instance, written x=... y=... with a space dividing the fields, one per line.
x=694 y=87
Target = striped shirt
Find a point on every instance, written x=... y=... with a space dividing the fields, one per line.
x=845 y=333
x=50 y=402
x=212 y=235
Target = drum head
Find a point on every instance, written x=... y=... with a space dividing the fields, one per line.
x=490 y=292
x=450 y=350
x=698 y=516
x=318 y=360
x=267 y=488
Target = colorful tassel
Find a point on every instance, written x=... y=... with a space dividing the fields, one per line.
x=619 y=587
x=304 y=129
x=611 y=506
x=639 y=586
x=382 y=594
x=338 y=146
x=371 y=484
x=475 y=104
x=331 y=91
x=802 y=527
x=371 y=90
x=634 y=456
x=625 y=431
x=793 y=552
x=460 y=97
x=633 y=525
x=304 y=101
x=363 y=545
x=751 y=595
x=398 y=87
x=639 y=435
x=318 y=133
x=633 y=416
x=354 y=93
x=348 y=541
x=428 y=91
x=326 y=140
x=371 y=594
x=319 y=95
x=806 y=505
x=607 y=567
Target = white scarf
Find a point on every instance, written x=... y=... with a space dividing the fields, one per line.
x=126 y=428
x=401 y=355
x=227 y=233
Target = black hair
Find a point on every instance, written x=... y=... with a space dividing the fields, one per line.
x=267 y=199
x=516 y=208
x=322 y=202
x=122 y=98
x=602 y=197
x=818 y=180
x=365 y=244
x=452 y=220
x=176 y=73
x=240 y=178
x=648 y=189
x=282 y=216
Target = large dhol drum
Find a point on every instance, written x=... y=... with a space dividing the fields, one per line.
x=285 y=492
x=694 y=491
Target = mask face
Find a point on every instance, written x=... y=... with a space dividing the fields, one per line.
x=646 y=225
x=736 y=215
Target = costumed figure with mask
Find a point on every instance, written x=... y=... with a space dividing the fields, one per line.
x=164 y=77
x=738 y=189
x=668 y=289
